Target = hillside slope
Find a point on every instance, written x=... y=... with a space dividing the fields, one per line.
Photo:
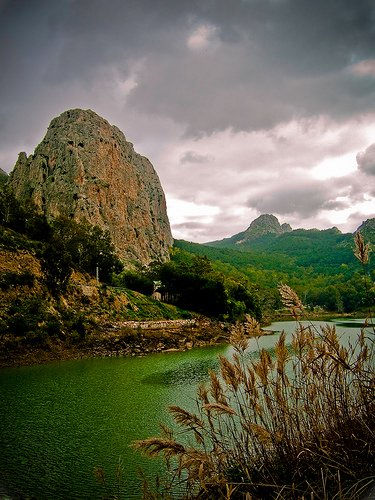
x=323 y=250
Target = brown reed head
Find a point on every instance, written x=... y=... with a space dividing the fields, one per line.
x=291 y=300
x=362 y=249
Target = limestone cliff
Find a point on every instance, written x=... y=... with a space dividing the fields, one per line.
x=84 y=168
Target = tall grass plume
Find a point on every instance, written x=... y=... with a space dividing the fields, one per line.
x=299 y=425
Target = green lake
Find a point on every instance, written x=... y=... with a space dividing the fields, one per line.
x=60 y=420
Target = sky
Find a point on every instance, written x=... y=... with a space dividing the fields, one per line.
x=244 y=107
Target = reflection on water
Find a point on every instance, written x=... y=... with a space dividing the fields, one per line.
x=60 y=420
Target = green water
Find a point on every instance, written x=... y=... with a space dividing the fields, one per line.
x=58 y=421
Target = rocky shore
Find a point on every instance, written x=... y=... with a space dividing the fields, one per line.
x=127 y=338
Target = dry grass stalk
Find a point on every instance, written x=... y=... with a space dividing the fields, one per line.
x=252 y=326
x=299 y=426
x=238 y=338
x=183 y=417
x=291 y=300
x=220 y=408
x=362 y=249
x=273 y=428
x=156 y=445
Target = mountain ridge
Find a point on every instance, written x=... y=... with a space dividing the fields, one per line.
x=267 y=227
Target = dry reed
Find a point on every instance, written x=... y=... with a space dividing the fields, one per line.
x=300 y=425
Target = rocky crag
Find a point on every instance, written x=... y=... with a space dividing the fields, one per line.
x=265 y=224
x=85 y=169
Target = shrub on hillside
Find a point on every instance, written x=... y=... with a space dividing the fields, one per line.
x=137 y=280
x=89 y=247
x=9 y=279
x=80 y=246
x=25 y=316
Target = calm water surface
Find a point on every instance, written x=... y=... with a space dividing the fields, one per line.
x=58 y=421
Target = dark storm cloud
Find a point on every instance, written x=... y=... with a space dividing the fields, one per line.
x=273 y=61
x=173 y=73
x=366 y=160
x=264 y=61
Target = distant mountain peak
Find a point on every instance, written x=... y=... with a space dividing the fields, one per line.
x=265 y=224
x=265 y=233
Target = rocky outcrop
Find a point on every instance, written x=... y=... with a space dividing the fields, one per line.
x=286 y=228
x=85 y=169
x=263 y=225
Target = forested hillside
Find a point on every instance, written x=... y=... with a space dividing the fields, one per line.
x=319 y=265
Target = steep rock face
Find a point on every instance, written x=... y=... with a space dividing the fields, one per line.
x=85 y=169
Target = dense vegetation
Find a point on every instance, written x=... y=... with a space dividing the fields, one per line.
x=320 y=250
x=62 y=244
x=192 y=282
x=348 y=288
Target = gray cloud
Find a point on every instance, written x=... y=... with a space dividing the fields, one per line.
x=268 y=63
x=193 y=157
x=272 y=65
x=303 y=199
x=366 y=160
x=224 y=89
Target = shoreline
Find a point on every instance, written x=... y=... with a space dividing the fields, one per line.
x=127 y=339
x=121 y=339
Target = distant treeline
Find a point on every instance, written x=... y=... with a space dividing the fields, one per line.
x=346 y=288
